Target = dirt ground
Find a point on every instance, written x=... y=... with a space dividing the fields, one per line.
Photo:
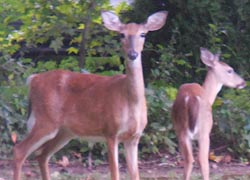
x=153 y=169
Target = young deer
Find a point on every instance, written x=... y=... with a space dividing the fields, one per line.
x=192 y=110
x=66 y=105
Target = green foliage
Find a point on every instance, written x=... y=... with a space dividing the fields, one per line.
x=168 y=67
x=159 y=133
x=217 y=25
x=104 y=65
x=69 y=63
x=58 y=24
x=13 y=102
x=233 y=120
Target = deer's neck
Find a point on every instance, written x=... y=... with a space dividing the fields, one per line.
x=135 y=81
x=211 y=86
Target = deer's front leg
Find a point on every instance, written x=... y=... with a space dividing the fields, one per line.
x=131 y=153
x=204 y=144
x=113 y=157
x=203 y=156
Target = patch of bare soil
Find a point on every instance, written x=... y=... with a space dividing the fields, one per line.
x=158 y=169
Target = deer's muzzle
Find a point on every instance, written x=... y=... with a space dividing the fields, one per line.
x=132 y=55
x=241 y=85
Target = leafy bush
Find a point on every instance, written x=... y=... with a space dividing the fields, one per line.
x=104 y=65
x=232 y=117
x=168 y=68
x=159 y=133
x=13 y=101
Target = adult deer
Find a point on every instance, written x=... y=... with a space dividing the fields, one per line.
x=192 y=110
x=65 y=105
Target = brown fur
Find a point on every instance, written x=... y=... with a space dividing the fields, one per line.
x=187 y=118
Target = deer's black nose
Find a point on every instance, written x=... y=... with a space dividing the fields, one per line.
x=132 y=55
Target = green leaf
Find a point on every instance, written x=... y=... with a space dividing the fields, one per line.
x=81 y=26
x=72 y=50
x=56 y=44
x=213 y=27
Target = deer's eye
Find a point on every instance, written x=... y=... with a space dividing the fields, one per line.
x=143 y=35
x=122 y=35
x=230 y=71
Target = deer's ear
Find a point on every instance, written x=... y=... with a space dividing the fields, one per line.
x=208 y=58
x=156 y=21
x=111 y=21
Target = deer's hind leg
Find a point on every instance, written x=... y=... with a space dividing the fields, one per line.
x=36 y=138
x=51 y=147
x=185 y=144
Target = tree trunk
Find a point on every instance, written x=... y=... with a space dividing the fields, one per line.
x=84 y=34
